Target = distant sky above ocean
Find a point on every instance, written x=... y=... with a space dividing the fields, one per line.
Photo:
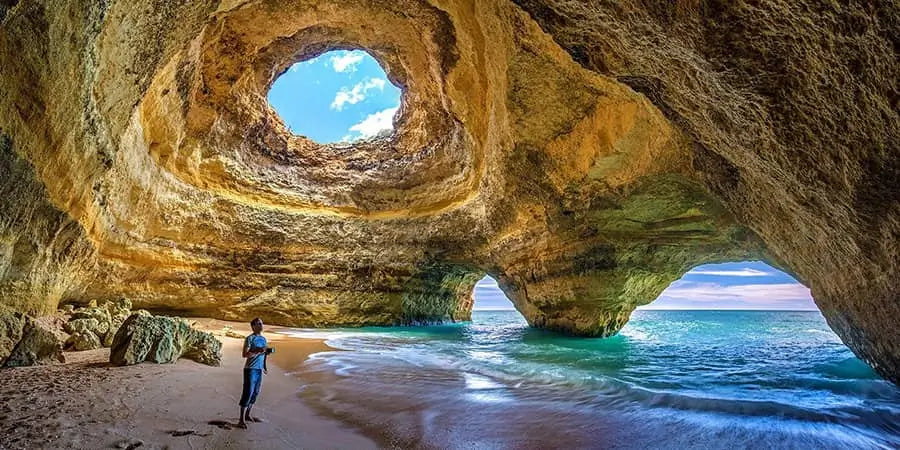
x=738 y=285
x=340 y=96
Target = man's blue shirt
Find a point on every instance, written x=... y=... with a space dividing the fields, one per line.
x=255 y=342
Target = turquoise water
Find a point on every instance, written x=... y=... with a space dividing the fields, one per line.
x=670 y=379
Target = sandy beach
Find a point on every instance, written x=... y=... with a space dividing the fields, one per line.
x=86 y=403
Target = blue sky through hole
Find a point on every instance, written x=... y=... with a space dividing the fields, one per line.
x=739 y=285
x=339 y=96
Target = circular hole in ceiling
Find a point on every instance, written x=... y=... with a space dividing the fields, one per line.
x=339 y=96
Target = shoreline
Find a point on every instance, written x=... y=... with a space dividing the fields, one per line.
x=87 y=403
x=440 y=388
x=364 y=394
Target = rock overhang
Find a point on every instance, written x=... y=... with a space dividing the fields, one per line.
x=205 y=184
x=583 y=189
x=206 y=120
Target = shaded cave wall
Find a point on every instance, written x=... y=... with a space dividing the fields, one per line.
x=793 y=107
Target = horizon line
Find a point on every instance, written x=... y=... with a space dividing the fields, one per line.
x=679 y=309
x=722 y=309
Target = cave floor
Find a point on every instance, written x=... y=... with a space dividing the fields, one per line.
x=86 y=403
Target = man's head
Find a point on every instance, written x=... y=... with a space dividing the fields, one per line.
x=256 y=324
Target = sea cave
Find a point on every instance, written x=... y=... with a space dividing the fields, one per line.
x=584 y=155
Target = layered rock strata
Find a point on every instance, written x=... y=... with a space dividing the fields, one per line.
x=585 y=154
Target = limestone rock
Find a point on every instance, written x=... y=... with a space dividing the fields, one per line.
x=11 y=328
x=162 y=340
x=82 y=325
x=119 y=311
x=115 y=323
x=102 y=321
x=227 y=331
x=119 y=307
x=585 y=154
x=84 y=340
x=96 y=316
x=39 y=345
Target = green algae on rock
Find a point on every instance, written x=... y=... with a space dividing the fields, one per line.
x=162 y=340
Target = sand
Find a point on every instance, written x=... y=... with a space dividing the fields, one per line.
x=86 y=403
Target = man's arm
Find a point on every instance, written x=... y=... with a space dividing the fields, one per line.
x=248 y=351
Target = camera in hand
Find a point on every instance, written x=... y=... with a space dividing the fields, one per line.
x=267 y=350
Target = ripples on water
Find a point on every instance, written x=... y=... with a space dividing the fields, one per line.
x=670 y=379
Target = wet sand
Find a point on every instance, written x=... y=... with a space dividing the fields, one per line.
x=86 y=403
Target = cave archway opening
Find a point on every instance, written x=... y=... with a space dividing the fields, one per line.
x=340 y=96
x=491 y=305
x=749 y=302
x=740 y=285
x=739 y=329
x=488 y=296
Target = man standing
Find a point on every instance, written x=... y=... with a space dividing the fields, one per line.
x=255 y=351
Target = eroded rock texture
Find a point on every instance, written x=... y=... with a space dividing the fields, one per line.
x=161 y=339
x=586 y=154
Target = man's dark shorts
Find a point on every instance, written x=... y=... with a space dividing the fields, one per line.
x=252 y=383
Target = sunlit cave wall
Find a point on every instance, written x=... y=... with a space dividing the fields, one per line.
x=45 y=256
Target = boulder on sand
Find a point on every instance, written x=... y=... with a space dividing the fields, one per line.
x=162 y=340
x=99 y=314
x=119 y=311
x=11 y=325
x=84 y=340
x=81 y=325
x=100 y=321
x=39 y=345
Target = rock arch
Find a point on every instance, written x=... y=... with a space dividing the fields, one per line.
x=588 y=155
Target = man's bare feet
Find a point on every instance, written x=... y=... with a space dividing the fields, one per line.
x=242 y=424
x=255 y=419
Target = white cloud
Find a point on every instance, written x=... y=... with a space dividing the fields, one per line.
x=375 y=123
x=487 y=283
x=346 y=61
x=745 y=272
x=357 y=93
x=756 y=294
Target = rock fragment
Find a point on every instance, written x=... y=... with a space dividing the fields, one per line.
x=84 y=340
x=162 y=339
x=11 y=326
x=39 y=345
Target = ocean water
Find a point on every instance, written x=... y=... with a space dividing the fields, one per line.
x=670 y=379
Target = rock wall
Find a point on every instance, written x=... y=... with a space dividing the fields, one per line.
x=793 y=110
x=586 y=154
x=45 y=256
